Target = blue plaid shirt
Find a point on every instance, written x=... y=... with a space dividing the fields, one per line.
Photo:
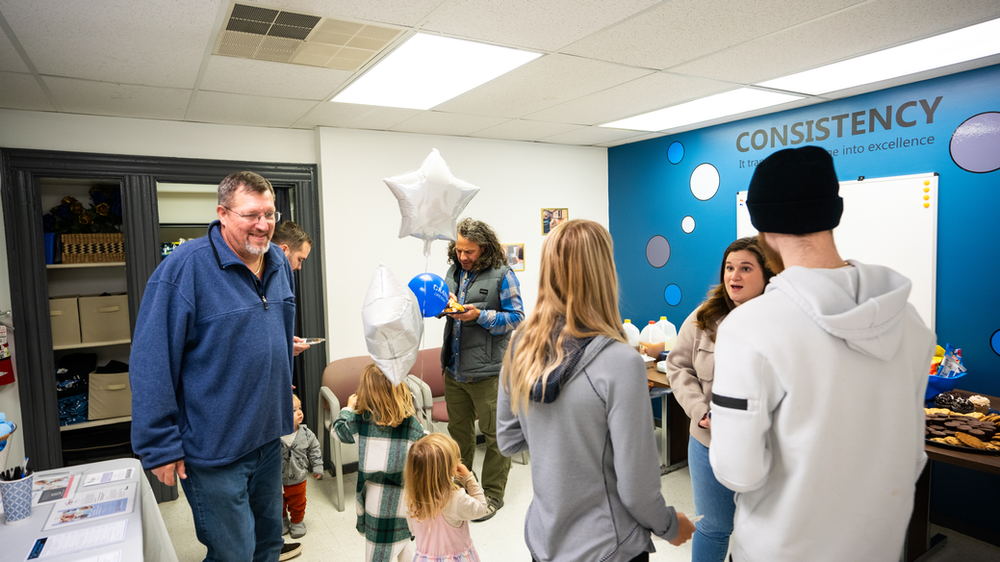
x=498 y=322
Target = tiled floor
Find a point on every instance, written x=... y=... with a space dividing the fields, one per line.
x=331 y=534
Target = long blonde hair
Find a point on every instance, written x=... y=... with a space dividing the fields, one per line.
x=430 y=464
x=578 y=285
x=389 y=405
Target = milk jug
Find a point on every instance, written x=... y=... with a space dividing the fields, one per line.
x=632 y=333
x=669 y=333
x=652 y=339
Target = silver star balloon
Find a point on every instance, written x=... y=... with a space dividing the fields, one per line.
x=430 y=200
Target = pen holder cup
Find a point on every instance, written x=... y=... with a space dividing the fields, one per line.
x=16 y=498
x=6 y=444
x=936 y=385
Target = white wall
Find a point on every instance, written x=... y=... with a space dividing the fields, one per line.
x=10 y=402
x=361 y=216
x=148 y=137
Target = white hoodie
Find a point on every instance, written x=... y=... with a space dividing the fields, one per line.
x=817 y=415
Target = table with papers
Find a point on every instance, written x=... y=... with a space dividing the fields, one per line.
x=98 y=512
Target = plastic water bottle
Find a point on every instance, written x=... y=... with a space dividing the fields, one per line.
x=632 y=333
x=651 y=334
x=669 y=333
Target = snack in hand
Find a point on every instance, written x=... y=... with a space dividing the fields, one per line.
x=453 y=306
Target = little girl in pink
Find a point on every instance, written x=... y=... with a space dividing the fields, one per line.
x=439 y=508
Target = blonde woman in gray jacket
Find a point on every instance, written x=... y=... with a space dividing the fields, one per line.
x=691 y=370
x=574 y=393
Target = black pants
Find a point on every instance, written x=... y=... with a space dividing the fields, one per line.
x=644 y=557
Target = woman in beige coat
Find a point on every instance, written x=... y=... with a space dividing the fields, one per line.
x=691 y=369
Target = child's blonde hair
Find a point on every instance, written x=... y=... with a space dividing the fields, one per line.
x=430 y=465
x=388 y=404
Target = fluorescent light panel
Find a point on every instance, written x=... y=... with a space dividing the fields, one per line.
x=970 y=43
x=428 y=70
x=704 y=109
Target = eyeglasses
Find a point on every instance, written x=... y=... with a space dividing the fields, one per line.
x=273 y=216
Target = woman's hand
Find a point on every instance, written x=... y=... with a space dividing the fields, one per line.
x=685 y=530
x=352 y=401
x=705 y=422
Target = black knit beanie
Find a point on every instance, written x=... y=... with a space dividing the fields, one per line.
x=795 y=191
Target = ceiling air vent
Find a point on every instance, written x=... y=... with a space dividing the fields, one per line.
x=274 y=35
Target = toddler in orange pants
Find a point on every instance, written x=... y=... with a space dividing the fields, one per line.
x=300 y=451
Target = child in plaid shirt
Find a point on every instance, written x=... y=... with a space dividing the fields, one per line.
x=380 y=418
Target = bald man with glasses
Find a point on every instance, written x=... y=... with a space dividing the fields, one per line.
x=211 y=374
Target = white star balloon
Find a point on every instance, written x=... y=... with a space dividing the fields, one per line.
x=430 y=200
x=393 y=324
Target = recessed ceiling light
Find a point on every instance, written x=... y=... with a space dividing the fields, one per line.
x=970 y=43
x=704 y=109
x=428 y=70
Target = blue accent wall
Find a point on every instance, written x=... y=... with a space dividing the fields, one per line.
x=650 y=196
x=649 y=193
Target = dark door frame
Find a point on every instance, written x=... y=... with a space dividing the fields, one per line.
x=22 y=170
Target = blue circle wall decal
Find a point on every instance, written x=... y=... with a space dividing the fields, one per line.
x=995 y=342
x=672 y=294
x=657 y=251
x=675 y=152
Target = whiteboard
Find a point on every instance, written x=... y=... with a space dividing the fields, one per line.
x=887 y=221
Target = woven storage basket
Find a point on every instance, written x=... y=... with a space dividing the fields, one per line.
x=93 y=248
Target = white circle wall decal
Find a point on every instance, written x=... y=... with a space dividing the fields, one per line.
x=687 y=225
x=704 y=182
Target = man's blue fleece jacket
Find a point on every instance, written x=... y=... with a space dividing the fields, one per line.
x=211 y=361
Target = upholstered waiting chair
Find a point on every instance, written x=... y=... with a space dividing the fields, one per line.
x=340 y=381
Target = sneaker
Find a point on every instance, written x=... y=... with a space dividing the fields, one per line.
x=297 y=529
x=285 y=522
x=290 y=550
x=492 y=506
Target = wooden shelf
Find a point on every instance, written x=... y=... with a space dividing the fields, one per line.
x=95 y=423
x=80 y=265
x=91 y=344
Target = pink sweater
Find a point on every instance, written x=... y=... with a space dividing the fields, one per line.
x=445 y=537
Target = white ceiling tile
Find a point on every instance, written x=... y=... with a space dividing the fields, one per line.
x=121 y=100
x=10 y=59
x=236 y=109
x=524 y=130
x=648 y=93
x=540 y=84
x=355 y=116
x=22 y=91
x=231 y=74
x=439 y=123
x=839 y=37
x=682 y=30
x=409 y=12
x=530 y=24
x=629 y=140
x=590 y=135
x=147 y=43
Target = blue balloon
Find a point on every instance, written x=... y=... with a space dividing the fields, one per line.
x=432 y=293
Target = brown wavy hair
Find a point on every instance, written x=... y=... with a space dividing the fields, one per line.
x=718 y=304
x=577 y=289
x=478 y=232
x=427 y=478
x=389 y=405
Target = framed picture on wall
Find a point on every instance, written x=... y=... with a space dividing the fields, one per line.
x=515 y=256
x=552 y=217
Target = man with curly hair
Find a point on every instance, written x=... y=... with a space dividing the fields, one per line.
x=474 y=345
